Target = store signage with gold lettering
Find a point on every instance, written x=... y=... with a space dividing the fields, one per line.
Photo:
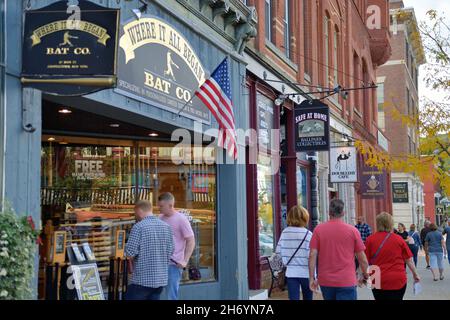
x=70 y=50
x=158 y=66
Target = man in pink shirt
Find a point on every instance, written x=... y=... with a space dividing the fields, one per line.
x=183 y=238
x=333 y=247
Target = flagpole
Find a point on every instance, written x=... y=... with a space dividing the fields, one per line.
x=192 y=98
x=185 y=105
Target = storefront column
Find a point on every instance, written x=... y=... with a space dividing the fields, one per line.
x=232 y=231
x=314 y=189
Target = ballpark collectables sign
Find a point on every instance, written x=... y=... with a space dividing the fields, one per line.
x=312 y=126
x=158 y=66
x=70 y=50
x=343 y=165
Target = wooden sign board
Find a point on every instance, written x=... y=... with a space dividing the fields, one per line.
x=59 y=247
x=87 y=282
x=120 y=244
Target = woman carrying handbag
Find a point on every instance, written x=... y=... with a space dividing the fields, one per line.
x=293 y=247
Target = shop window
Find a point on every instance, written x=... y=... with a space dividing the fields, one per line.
x=266 y=206
x=302 y=189
x=89 y=187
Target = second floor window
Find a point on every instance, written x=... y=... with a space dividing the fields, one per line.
x=268 y=20
x=287 y=28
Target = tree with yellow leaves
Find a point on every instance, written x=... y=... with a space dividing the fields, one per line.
x=432 y=123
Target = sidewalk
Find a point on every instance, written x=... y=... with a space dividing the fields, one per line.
x=432 y=290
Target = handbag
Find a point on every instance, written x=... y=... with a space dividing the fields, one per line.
x=282 y=274
x=194 y=273
x=379 y=248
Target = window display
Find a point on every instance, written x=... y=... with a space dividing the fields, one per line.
x=265 y=206
x=89 y=187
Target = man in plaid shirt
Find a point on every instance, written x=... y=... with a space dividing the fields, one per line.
x=150 y=246
x=363 y=228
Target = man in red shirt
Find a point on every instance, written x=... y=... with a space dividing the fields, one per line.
x=333 y=246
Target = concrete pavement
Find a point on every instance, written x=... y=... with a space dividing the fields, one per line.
x=431 y=290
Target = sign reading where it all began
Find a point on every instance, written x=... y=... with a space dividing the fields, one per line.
x=158 y=66
x=70 y=49
x=312 y=126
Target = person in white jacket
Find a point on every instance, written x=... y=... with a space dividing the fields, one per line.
x=293 y=247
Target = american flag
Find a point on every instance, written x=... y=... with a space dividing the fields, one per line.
x=215 y=93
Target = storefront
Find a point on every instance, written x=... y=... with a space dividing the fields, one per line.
x=88 y=158
x=278 y=180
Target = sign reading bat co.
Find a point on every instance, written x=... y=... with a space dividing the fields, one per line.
x=70 y=49
x=158 y=66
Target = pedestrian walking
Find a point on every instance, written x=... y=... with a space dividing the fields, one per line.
x=389 y=252
x=415 y=244
x=447 y=233
x=435 y=243
x=401 y=231
x=184 y=241
x=423 y=234
x=333 y=247
x=293 y=247
x=150 y=245
x=364 y=230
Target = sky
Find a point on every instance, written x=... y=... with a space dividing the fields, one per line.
x=421 y=7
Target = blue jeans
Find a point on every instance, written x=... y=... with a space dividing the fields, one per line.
x=136 y=292
x=174 y=282
x=448 y=253
x=294 y=285
x=339 y=293
x=415 y=251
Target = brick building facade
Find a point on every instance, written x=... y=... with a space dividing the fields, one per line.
x=308 y=46
x=398 y=88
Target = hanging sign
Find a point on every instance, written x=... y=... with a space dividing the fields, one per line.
x=312 y=126
x=372 y=182
x=343 y=165
x=158 y=66
x=400 y=192
x=70 y=49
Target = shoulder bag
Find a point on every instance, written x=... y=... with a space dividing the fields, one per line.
x=379 y=248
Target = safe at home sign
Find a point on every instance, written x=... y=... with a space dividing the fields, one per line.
x=343 y=165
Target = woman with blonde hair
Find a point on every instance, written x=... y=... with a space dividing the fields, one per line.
x=389 y=252
x=293 y=247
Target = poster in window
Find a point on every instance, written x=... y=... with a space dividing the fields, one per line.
x=312 y=126
x=265 y=121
